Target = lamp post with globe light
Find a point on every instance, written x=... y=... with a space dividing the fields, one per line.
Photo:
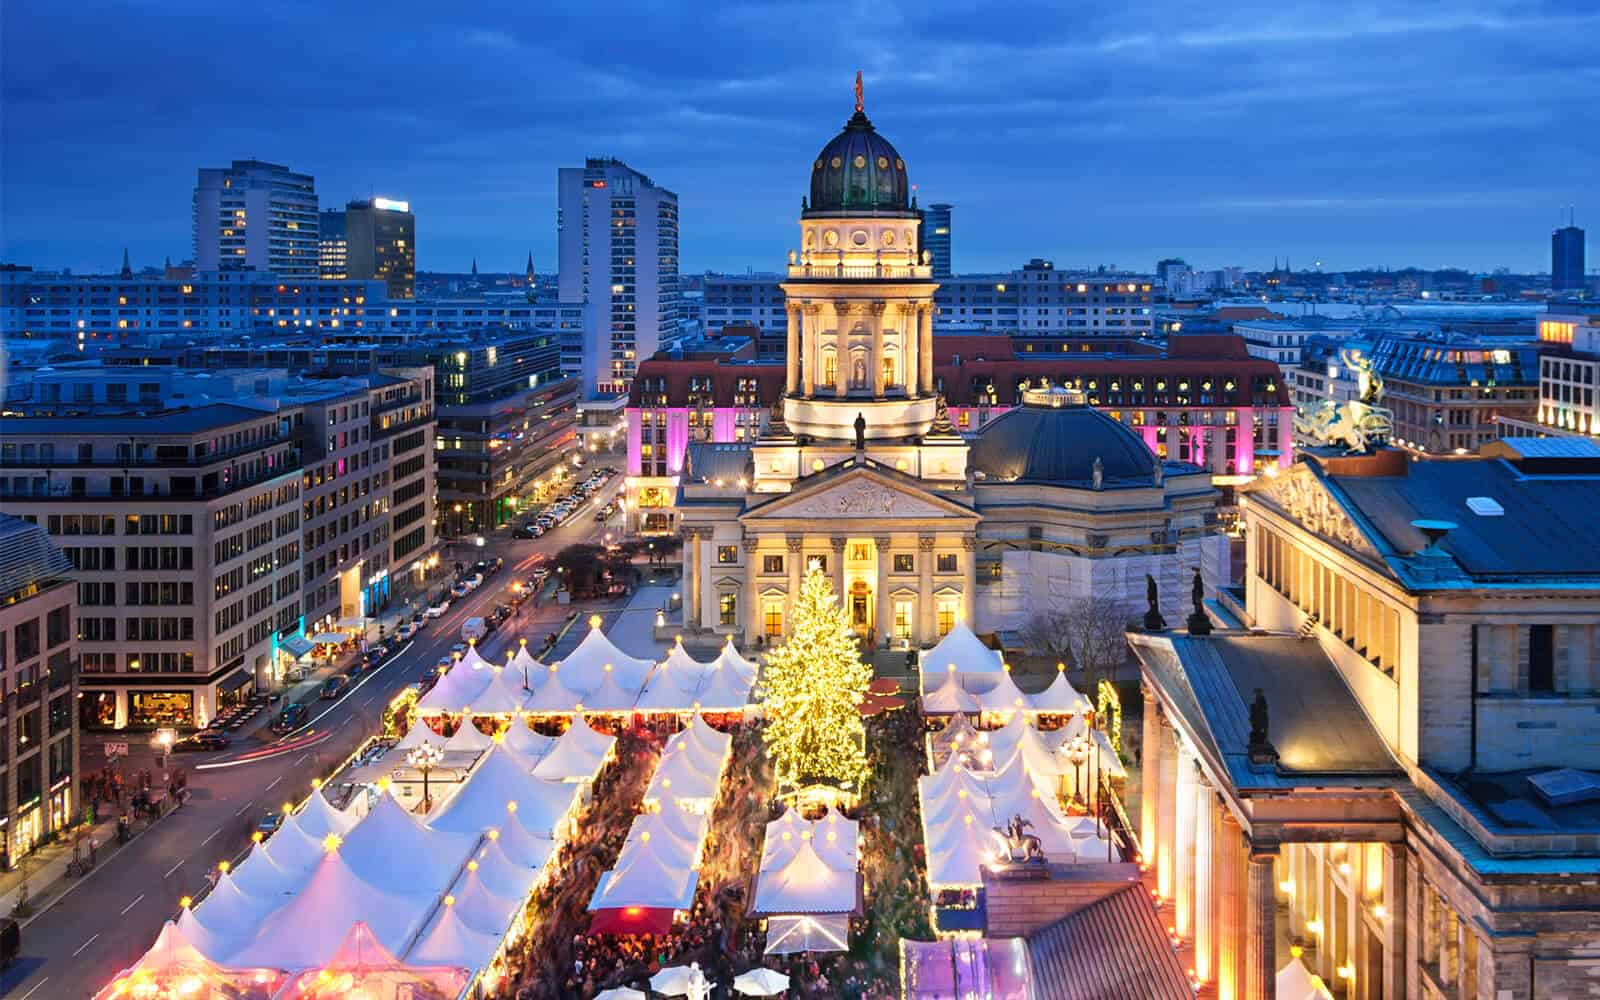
x=1076 y=750
x=425 y=757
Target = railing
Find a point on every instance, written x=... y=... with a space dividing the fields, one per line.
x=860 y=272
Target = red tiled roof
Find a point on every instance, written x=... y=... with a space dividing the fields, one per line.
x=1113 y=949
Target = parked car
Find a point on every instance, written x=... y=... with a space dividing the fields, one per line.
x=473 y=630
x=458 y=649
x=205 y=739
x=269 y=824
x=445 y=662
x=334 y=686
x=438 y=608
x=290 y=717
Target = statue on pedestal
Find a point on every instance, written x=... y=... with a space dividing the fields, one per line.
x=1199 y=622
x=861 y=432
x=1260 y=748
x=1153 y=622
x=1020 y=847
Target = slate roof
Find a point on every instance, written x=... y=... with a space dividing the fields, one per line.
x=1112 y=949
x=1545 y=532
x=712 y=461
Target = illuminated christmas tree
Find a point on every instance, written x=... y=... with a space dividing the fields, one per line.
x=814 y=685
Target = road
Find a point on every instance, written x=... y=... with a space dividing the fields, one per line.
x=109 y=918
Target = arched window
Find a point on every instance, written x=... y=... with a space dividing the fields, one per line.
x=830 y=368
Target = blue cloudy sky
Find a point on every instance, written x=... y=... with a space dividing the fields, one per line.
x=1383 y=134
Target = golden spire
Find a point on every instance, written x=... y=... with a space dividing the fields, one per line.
x=859 y=105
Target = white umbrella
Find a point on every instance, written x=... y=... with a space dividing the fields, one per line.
x=761 y=982
x=620 y=993
x=681 y=980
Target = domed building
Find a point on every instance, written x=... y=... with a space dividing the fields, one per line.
x=857 y=470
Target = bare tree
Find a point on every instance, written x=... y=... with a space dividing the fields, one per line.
x=1086 y=633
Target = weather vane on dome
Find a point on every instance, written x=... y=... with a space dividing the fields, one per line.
x=859 y=106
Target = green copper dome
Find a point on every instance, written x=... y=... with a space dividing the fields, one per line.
x=859 y=173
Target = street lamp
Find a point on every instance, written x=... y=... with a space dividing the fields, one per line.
x=1076 y=750
x=425 y=757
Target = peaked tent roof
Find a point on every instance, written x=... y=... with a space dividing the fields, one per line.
x=361 y=950
x=577 y=755
x=498 y=868
x=583 y=667
x=307 y=931
x=1001 y=696
x=480 y=907
x=292 y=849
x=525 y=741
x=474 y=659
x=1060 y=698
x=318 y=817
x=449 y=941
x=418 y=734
x=468 y=738
x=257 y=875
x=681 y=776
x=1296 y=982
x=649 y=879
x=553 y=697
x=228 y=912
x=524 y=660
x=805 y=884
x=730 y=656
x=503 y=695
x=391 y=848
x=962 y=647
x=724 y=689
x=610 y=695
x=956 y=852
x=948 y=698
x=457 y=689
x=480 y=804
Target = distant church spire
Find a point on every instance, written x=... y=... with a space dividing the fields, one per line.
x=127 y=268
x=474 y=265
x=530 y=267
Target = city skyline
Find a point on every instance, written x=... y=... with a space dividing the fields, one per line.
x=1330 y=136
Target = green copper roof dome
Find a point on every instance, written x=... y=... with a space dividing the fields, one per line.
x=859 y=173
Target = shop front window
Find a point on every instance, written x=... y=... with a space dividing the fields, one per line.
x=161 y=708
x=98 y=710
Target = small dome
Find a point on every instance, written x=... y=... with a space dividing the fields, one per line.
x=859 y=173
x=1055 y=438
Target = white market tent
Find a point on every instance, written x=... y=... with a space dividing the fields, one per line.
x=584 y=668
x=552 y=697
x=948 y=698
x=524 y=661
x=650 y=877
x=610 y=696
x=805 y=884
x=1020 y=737
x=418 y=734
x=578 y=754
x=724 y=689
x=525 y=741
x=318 y=817
x=730 y=657
x=681 y=777
x=467 y=738
x=228 y=912
x=306 y=932
x=499 y=870
x=459 y=687
x=292 y=849
x=1060 y=698
x=504 y=694
x=836 y=839
x=705 y=735
x=1002 y=695
x=962 y=648
x=391 y=842
x=474 y=659
x=956 y=852
x=449 y=941
x=1296 y=982
x=670 y=833
x=258 y=876
x=482 y=799
x=480 y=907
x=957 y=734
x=817 y=933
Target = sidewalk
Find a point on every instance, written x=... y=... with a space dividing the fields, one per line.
x=45 y=870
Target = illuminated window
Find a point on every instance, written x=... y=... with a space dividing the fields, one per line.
x=947 y=617
x=902 y=619
x=888 y=371
x=830 y=369
x=772 y=564
x=728 y=609
x=727 y=554
x=772 y=620
x=947 y=562
x=1554 y=332
x=904 y=563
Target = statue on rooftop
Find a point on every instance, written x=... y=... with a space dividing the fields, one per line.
x=1153 y=622
x=1098 y=473
x=1020 y=847
x=861 y=432
x=941 y=417
x=1199 y=622
x=1260 y=747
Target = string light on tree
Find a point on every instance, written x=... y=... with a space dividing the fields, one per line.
x=814 y=685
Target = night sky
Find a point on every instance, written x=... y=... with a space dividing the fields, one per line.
x=1395 y=134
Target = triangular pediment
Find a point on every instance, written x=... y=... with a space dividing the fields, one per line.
x=859 y=493
x=1301 y=496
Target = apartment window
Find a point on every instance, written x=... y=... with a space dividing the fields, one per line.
x=904 y=562
x=1541 y=659
x=728 y=609
x=947 y=562
x=772 y=564
x=727 y=554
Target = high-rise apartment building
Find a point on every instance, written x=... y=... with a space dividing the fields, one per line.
x=619 y=257
x=936 y=238
x=1566 y=259
x=333 y=246
x=255 y=216
x=381 y=236
x=38 y=690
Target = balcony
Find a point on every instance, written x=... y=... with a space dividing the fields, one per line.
x=860 y=272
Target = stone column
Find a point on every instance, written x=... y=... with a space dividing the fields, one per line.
x=876 y=374
x=1149 y=774
x=925 y=348
x=1396 y=906
x=1204 y=920
x=926 y=625
x=808 y=362
x=705 y=563
x=1412 y=958
x=1166 y=810
x=882 y=624
x=1261 y=925
x=1184 y=847
x=791 y=356
x=836 y=567
x=841 y=353
x=1229 y=847
x=969 y=589
x=691 y=582
x=750 y=614
x=796 y=567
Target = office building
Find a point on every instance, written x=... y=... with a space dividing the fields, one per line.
x=1567 y=260
x=1569 y=371
x=1447 y=394
x=255 y=216
x=183 y=527
x=96 y=311
x=618 y=235
x=333 y=247
x=936 y=238
x=38 y=690
x=1369 y=764
x=382 y=244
